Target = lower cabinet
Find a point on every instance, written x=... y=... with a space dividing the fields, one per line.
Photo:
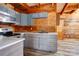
x=36 y=43
x=28 y=41
x=14 y=50
x=41 y=42
x=44 y=43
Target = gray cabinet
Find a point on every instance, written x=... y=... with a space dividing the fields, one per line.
x=36 y=42
x=45 y=41
x=18 y=18
x=43 y=15
x=40 y=15
x=35 y=15
x=12 y=12
x=7 y=14
x=29 y=19
x=2 y=8
x=28 y=43
x=23 y=19
x=26 y=19
x=7 y=10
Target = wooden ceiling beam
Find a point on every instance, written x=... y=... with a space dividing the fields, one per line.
x=41 y=8
x=75 y=9
x=19 y=7
x=69 y=12
x=16 y=9
x=64 y=8
x=71 y=8
x=24 y=5
x=55 y=7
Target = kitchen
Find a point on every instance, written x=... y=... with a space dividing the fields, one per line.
x=26 y=26
x=39 y=29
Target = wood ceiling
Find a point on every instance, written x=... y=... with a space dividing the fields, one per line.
x=33 y=8
x=67 y=8
x=61 y=8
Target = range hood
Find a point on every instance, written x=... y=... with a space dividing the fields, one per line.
x=7 y=18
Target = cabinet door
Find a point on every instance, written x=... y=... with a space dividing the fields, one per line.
x=7 y=10
x=27 y=41
x=48 y=43
x=23 y=19
x=11 y=12
x=43 y=14
x=44 y=43
x=36 y=42
x=35 y=15
x=2 y=8
x=53 y=43
x=40 y=15
x=30 y=41
x=29 y=19
x=18 y=18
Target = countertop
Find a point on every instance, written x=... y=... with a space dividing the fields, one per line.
x=8 y=41
x=54 y=33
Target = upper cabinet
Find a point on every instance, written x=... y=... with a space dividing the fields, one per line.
x=2 y=8
x=8 y=11
x=40 y=15
x=18 y=18
x=12 y=12
x=43 y=15
x=26 y=19
x=8 y=14
x=29 y=19
x=23 y=19
x=35 y=15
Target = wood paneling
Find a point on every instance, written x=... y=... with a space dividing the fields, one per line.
x=49 y=21
x=47 y=24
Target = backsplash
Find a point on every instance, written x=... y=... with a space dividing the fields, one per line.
x=30 y=28
x=33 y=28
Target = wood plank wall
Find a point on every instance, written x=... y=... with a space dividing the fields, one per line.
x=47 y=24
